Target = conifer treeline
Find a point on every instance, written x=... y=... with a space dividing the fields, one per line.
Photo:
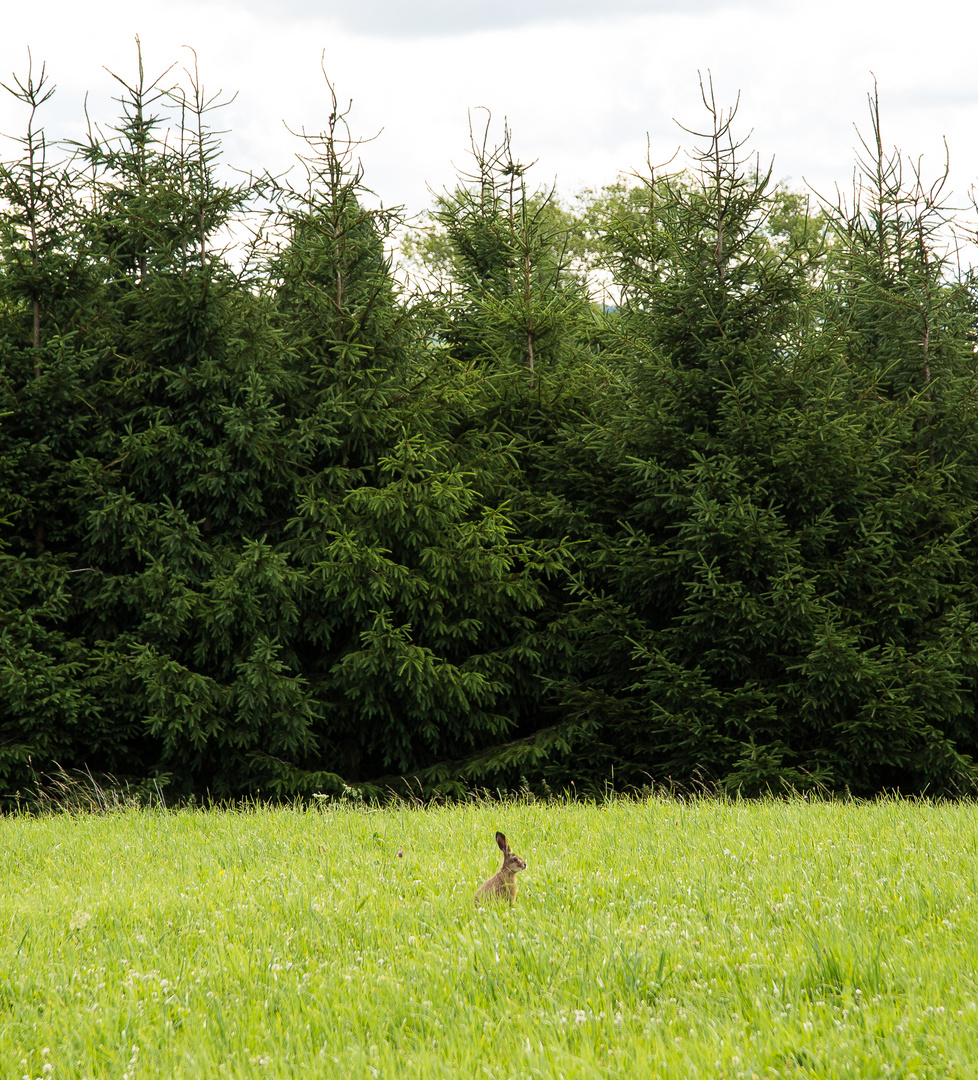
x=272 y=524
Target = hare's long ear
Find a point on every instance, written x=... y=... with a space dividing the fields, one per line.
x=501 y=841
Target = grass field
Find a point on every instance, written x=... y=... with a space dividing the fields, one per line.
x=649 y=939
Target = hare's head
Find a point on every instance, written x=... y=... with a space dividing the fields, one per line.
x=512 y=863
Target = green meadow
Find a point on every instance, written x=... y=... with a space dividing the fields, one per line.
x=649 y=939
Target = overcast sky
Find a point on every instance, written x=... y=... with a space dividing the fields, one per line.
x=582 y=91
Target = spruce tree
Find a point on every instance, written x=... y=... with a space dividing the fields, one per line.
x=760 y=527
x=187 y=473
x=416 y=592
x=50 y=684
x=513 y=308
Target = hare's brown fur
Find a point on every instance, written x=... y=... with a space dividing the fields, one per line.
x=502 y=884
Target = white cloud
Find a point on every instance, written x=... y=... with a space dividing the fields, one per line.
x=580 y=92
x=446 y=18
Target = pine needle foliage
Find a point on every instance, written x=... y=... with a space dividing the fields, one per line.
x=418 y=593
x=272 y=524
x=778 y=594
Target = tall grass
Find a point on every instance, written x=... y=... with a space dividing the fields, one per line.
x=649 y=939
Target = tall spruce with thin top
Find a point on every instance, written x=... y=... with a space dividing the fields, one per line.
x=512 y=308
x=762 y=523
x=415 y=590
x=52 y=340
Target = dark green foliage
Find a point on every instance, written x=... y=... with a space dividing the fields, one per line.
x=272 y=525
x=418 y=595
x=780 y=592
x=511 y=308
x=49 y=683
x=293 y=578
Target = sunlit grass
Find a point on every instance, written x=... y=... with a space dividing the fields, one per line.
x=654 y=939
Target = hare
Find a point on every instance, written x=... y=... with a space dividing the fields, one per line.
x=503 y=882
